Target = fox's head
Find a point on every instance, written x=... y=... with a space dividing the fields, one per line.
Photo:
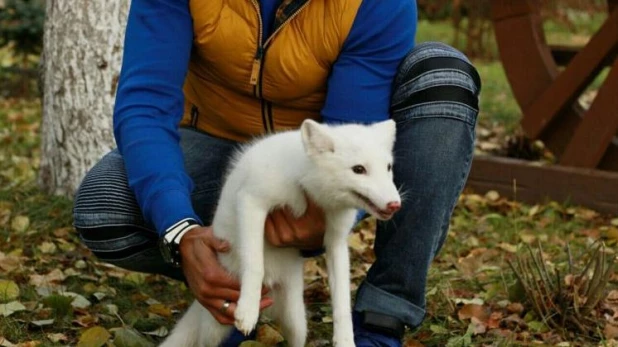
x=353 y=165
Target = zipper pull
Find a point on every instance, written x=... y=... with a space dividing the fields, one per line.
x=255 y=70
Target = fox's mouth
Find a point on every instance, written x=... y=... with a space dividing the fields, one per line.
x=381 y=214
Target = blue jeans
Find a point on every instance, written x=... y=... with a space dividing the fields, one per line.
x=435 y=107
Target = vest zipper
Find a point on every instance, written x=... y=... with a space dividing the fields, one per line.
x=256 y=70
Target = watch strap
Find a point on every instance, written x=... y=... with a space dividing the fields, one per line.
x=170 y=242
x=175 y=233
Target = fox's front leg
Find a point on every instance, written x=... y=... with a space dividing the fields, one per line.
x=251 y=218
x=338 y=266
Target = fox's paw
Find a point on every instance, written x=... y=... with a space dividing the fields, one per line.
x=246 y=316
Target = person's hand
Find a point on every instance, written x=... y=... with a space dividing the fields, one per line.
x=210 y=283
x=306 y=232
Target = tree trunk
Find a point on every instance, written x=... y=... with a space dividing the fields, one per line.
x=82 y=55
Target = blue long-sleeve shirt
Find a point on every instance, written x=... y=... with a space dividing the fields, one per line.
x=149 y=100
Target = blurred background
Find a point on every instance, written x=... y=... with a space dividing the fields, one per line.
x=464 y=24
x=480 y=292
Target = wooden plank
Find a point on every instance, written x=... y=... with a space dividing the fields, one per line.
x=527 y=61
x=563 y=55
x=594 y=189
x=598 y=127
x=574 y=79
x=502 y=9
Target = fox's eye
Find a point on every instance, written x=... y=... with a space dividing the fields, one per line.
x=359 y=169
x=389 y=167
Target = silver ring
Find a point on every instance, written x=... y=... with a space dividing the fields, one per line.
x=226 y=305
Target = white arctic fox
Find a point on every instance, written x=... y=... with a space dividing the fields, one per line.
x=342 y=168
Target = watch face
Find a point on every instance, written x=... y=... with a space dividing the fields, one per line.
x=165 y=251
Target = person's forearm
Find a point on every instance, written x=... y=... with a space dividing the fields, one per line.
x=149 y=105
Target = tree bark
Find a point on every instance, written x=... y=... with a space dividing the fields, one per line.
x=82 y=55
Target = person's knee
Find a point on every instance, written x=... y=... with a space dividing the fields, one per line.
x=104 y=198
x=433 y=73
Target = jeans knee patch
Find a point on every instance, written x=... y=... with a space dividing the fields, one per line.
x=436 y=74
x=104 y=197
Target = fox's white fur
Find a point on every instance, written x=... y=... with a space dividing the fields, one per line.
x=278 y=170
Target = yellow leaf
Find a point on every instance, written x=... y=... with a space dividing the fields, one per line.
x=356 y=243
x=614 y=222
x=94 y=337
x=57 y=337
x=492 y=195
x=508 y=247
x=527 y=238
x=612 y=233
x=136 y=277
x=8 y=290
x=47 y=247
x=20 y=224
x=160 y=310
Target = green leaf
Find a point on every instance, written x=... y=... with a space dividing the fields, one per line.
x=438 y=329
x=538 y=327
x=127 y=337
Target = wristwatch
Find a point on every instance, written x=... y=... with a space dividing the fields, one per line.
x=169 y=244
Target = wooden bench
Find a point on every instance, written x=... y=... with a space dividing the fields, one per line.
x=584 y=141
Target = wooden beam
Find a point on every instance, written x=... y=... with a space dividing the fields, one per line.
x=597 y=129
x=563 y=55
x=502 y=9
x=573 y=80
x=530 y=183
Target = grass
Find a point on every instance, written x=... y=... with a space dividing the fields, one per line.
x=471 y=269
x=473 y=297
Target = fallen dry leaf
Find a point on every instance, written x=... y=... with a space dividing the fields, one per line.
x=515 y=307
x=468 y=311
x=494 y=320
x=57 y=337
x=94 y=337
x=413 y=343
x=47 y=247
x=53 y=277
x=6 y=343
x=11 y=307
x=9 y=262
x=161 y=310
x=478 y=326
x=268 y=335
x=610 y=331
x=20 y=224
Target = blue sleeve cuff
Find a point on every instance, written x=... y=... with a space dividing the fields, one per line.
x=169 y=207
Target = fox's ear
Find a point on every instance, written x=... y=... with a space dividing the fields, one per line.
x=316 y=138
x=387 y=131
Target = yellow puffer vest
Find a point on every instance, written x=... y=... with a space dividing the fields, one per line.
x=236 y=88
